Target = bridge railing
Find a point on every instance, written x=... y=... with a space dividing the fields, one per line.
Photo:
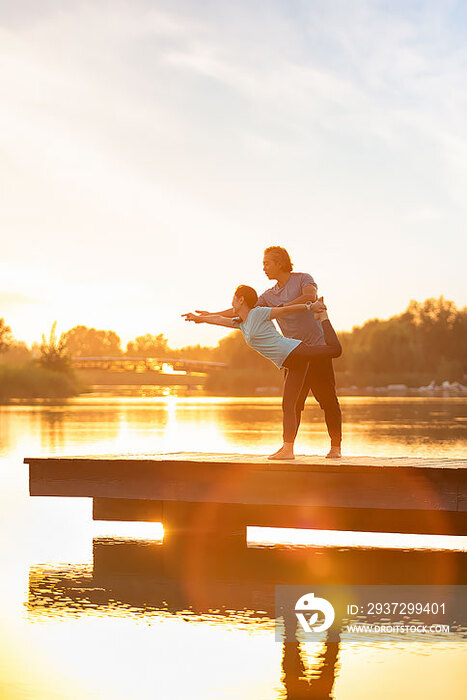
x=145 y=364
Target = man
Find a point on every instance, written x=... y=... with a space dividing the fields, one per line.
x=297 y=288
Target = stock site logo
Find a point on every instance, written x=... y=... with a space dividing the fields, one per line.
x=309 y=604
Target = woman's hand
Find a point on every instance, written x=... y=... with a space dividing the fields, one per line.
x=193 y=317
x=214 y=319
x=318 y=306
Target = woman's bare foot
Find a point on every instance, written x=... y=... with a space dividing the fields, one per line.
x=334 y=453
x=285 y=452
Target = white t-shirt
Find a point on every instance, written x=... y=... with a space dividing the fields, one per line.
x=261 y=334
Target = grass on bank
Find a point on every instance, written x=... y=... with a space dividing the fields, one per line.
x=31 y=381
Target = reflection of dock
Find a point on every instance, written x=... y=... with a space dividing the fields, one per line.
x=186 y=560
x=178 y=578
x=217 y=496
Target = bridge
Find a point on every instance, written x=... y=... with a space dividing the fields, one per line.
x=139 y=371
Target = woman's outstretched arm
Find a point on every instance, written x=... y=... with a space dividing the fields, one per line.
x=214 y=319
x=227 y=313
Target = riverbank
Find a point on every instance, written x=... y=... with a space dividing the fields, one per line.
x=30 y=381
x=445 y=389
x=433 y=390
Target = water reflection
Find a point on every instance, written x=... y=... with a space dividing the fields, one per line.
x=154 y=576
x=228 y=589
x=299 y=682
x=76 y=591
x=52 y=429
x=373 y=426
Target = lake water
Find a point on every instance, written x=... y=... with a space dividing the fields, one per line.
x=84 y=614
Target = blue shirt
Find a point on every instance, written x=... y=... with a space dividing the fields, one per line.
x=261 y=334
x=302 y=325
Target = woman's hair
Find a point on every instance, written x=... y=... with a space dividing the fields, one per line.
x=248 y=293
x=281 y=256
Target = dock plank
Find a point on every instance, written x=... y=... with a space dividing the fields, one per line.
x=252 y=459
x=353 y=482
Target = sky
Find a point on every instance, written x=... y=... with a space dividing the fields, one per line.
x=151 y=150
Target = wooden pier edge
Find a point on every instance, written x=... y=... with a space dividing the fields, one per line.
x=215 y=493
x=315 y=517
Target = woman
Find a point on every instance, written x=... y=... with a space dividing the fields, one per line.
x=260 y=333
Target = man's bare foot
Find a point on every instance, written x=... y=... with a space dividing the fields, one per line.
x=334 y=453
x=285 y=452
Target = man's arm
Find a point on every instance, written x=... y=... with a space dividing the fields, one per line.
x=214 y=319
x=317 y=306
x=309 y=293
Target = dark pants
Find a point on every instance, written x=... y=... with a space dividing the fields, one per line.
x=302 y=376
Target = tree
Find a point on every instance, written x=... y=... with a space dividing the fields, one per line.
x=195 y=352
x=6 y=336
x=428 y=341
x=148 y=346
x=234 y=351
x=82 y=341
x=17 y=353
x=54 y=354
x=441 y=331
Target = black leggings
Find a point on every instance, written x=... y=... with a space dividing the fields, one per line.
x=297 y=364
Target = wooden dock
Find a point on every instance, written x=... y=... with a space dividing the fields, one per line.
x=220 y=494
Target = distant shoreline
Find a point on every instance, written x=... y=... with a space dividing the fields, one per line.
x=369 y=392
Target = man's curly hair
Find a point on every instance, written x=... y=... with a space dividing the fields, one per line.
x=281 y=256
